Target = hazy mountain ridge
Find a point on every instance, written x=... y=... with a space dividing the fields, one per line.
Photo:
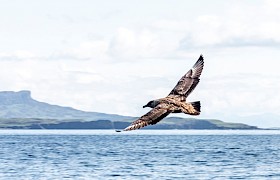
x=20 y=110
x=21 y=105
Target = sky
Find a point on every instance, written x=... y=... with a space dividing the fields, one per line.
x=115 y=56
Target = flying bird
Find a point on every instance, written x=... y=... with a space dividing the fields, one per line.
x=175 y=102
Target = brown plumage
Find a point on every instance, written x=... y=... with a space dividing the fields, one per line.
x=175 y=102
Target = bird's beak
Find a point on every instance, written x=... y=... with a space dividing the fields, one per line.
x=144 y=106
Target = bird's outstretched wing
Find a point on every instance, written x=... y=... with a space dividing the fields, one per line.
x=152 y=117
x=188 y=82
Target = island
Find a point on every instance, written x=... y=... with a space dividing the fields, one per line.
x=18 y=110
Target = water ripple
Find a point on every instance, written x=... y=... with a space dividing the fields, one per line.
x=139 y=156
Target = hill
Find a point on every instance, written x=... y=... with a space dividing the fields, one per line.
x=20 y=110
x=22 y=105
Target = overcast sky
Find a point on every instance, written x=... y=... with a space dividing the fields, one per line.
x=115 y=56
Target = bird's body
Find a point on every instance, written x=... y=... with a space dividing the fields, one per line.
x=175 y=106
x=175 y=102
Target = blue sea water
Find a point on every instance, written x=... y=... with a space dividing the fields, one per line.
x=142 y=154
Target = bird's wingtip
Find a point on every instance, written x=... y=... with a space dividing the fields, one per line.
x=127 y=129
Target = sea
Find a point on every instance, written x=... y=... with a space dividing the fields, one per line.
x=140 y=154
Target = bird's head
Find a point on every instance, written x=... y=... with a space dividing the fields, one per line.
x=151 y=104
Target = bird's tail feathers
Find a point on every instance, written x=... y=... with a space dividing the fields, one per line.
x=196 y=106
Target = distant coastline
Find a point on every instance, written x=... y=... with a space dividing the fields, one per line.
x=18 y=110
x=172 y=123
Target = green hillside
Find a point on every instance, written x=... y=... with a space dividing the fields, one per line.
x=19 y=110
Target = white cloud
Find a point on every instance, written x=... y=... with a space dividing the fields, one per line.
x=243 y=95
x=135 y=44
x=239 y=26
x=90 y=50
x=17 y=55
